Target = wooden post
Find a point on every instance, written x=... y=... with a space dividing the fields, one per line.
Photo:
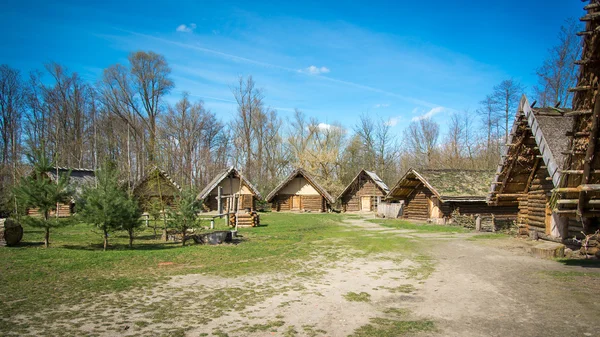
x=478 y=223
x=212 y=223
x=219 y=201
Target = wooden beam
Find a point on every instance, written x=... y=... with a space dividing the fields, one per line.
x=580 y=88
x=532 y=174
x=578 y=113
x=589 y=158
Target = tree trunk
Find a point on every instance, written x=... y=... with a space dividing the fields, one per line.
x=47 y=237
x=184 y=231
x=130 y=232
x=105 y=239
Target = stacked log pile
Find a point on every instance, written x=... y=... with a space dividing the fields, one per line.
x=251 y=219
x=11 y=232
x=590 y=245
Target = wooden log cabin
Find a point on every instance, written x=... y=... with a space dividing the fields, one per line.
x=79 y=178
x=300 y=192
x=578 y=194
x=363 y=193
x=531 y=167
x=233 y=186
x=435 y=194
x=156 y=186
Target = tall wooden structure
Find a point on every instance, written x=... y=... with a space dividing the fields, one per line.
x=578 y=195
x=300 y=192
x=363 y=193
x=532 y=166
x=234 y=186
x=436 y=194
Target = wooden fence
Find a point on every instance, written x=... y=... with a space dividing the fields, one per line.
x=389 y=210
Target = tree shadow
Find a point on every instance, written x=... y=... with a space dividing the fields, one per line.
x=585 y=263
x=125 y=247
x=28 y=244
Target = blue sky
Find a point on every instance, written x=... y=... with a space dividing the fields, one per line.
x=332 y=60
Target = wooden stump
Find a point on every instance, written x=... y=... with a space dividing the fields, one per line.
x=11 y=232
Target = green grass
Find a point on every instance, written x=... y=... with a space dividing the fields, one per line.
x=386 y=327
x=403 y=224
x=75 y=269
x=358 y=297
x=488 y=236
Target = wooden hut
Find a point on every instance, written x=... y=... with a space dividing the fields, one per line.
x=300 y=192
x=531 y=167
x=156 y=185
x=78 y=179
x=233 y=186
x=363 y=193
x=435 y=194
x=578 y=196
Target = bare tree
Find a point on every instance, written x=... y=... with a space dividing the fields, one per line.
x=558 y=72
x=150 y=77
x=421 y=139
x=506 y=97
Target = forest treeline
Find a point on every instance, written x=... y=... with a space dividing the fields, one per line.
x=124 y=118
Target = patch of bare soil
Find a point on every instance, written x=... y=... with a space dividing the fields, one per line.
x=466 y=288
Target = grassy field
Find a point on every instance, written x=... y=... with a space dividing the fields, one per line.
x=421 y=227
x=75 y=268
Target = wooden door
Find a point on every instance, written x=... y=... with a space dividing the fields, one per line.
x=365 y=203
x=295 y=202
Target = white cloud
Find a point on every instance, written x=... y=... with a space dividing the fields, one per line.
x=313 y=70
x=381 y=105
x=429 y=113
x=324 y=126
x=393 y=121
x=186 y=28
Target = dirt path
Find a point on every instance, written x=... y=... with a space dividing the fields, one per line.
x=494 y=288
x=450 y=286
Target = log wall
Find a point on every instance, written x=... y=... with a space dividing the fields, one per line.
x=361 y=187
x=417 y=206
x=312 y=203
x=64 y=210
x=532 y=206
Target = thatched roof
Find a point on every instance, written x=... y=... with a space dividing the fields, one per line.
x=308 y=177
x=78 y=179
x=151 y=174
x=447 y=185
x=230 y=171
x=548 y=127
x=374 y=177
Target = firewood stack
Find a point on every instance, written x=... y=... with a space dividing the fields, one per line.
x=250 y=219
x=590 y=246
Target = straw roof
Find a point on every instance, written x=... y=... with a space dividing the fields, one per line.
x=374 y=177
x=308 y=177
x=151 y=173
x=447 y=185
x=230 y=171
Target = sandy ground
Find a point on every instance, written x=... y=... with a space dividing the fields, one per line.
x=476 y=288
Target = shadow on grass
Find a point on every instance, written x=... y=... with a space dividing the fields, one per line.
x=581 y=263
x=125 y=247
x=28 y=244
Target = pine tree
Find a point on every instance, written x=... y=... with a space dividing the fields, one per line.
x=185 y=215
x=38 y=191
x=108 y=207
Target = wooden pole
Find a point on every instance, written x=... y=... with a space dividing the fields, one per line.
x=219 y=201
x=587 y=166
x=478 y=223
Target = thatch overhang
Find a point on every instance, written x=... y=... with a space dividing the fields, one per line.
x=156 y=172
x=373 y=176
x=301 y=172
x=446 y=185
x=537 y=140
x=228 y=172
